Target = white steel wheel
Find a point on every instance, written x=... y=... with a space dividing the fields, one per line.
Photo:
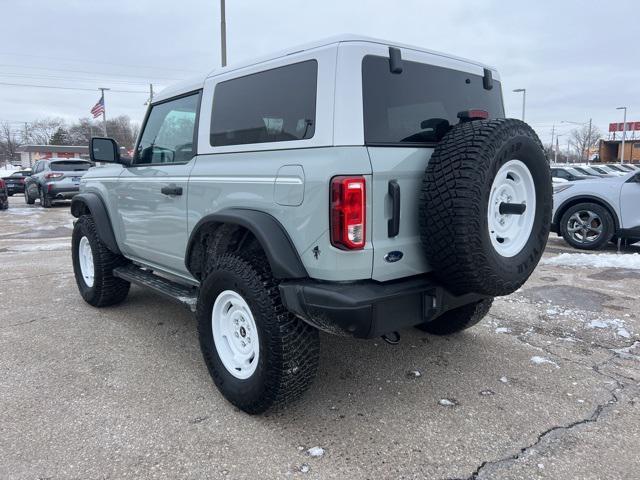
x=235 y=334
x=509 y=232
x=85 y=258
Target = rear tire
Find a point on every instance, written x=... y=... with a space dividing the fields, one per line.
x=102 y=288
x=587 y=226
x=458 y=319
x=281 y=362
x=45 y=201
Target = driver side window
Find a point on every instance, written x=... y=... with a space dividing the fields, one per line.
x=169 y=133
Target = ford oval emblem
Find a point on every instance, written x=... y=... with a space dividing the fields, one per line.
x=394 y=256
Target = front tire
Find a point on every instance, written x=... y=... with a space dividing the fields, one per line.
x=29 y=200
x=587 y=226
x=93 y=265
x=458 y=319
x=239 y=302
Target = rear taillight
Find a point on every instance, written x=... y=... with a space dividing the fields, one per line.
x=51 y=175
x=22 y=180
x=348 y=213
x=1 y=183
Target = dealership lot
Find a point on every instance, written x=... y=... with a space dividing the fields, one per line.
x=546 y=386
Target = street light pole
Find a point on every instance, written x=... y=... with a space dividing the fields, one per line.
x=524 y=98
x=223 y=34
x=624 y=132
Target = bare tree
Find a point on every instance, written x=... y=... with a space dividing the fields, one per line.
x=9 y=142
x=80 y=133
x=584 y=138
x=41 y=131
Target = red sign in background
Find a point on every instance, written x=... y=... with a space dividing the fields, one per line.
x=631 y=126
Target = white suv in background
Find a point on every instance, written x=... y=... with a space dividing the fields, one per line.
x=590 y=213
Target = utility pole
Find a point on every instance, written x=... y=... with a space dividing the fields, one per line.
x=104 y=108
x=553 y=131
x=223 y=34
x=589 y=140
x=624 y=132
x=555 y=155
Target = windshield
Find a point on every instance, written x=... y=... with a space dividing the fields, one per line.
x=586 y=171
x=574 y=171
x=70 y=166
x=419 y=105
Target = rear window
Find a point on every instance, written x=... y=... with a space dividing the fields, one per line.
x=419 y=105
x=276 y=105
x=70 y=166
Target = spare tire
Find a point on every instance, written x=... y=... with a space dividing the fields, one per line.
x=486 y=206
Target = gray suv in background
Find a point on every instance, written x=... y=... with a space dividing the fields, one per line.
x=55 y=179
x=353 y=186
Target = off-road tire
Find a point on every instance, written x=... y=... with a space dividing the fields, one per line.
x=608 y=226
x=29 y=200
x=458 y=319
x=289 y=348
x=455 y=201
x=45 y=201
x=107 y=289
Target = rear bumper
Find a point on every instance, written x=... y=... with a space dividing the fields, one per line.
x=57 y=192
x=368 y=308
x=15 y=188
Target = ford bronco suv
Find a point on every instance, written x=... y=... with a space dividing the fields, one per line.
x=352 y=186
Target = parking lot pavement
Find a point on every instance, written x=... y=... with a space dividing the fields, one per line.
x=547 y=386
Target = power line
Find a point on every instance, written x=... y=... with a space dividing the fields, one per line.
x=67 y=88
x=85 y=71
x=61 y=77
x=98 y=63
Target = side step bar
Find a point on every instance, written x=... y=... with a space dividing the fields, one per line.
x=176 y=291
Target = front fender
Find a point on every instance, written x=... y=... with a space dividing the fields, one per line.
x=92 y=204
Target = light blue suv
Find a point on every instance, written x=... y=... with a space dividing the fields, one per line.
x=353 y=186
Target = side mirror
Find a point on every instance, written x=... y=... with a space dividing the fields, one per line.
x=106 y=150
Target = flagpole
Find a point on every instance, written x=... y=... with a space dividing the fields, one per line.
x=104 y=109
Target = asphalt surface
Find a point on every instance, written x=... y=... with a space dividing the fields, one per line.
x=547 y=386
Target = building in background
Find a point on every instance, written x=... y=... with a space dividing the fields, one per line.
x=29 y=154
x=609 y=151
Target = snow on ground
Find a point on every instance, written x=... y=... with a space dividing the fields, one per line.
x=542 y=360
x=41 y=247
x=599 y=260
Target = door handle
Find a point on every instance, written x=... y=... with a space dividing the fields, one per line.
x=393 y=226
x=171 y=190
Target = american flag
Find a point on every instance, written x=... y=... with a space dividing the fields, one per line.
x=98 y=108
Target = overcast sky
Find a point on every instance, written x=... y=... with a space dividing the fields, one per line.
x=577 y=59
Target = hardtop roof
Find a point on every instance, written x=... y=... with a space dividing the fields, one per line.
x=197 y=82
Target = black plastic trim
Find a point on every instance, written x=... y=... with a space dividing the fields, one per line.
x=395 y=60
x=393 y=225
x=100 y=217
x=368 y=309
x=487 y=79
x=283 y=258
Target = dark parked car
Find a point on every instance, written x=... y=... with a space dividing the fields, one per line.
x=4 y=198
x=55 y=179
x=15 y=181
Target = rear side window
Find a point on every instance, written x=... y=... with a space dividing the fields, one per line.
x=70 y=166
x=277 y=105
x=419 y=105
